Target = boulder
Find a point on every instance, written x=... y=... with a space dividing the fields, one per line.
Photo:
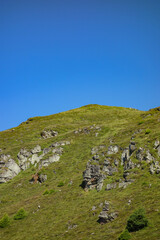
x=140 y=154
x=9 y=170
x=156 y=144
x=13 y=166
x=42 y=178
x=125 y=156
x=58 y=150
x=48 y=134
x=112 y=149
x=148 y=157
x=48 y=161
x=123 y=184
x=37 y=149
x=106 y=216
x=111 y=186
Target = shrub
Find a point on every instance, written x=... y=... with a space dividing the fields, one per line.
x=124 y=235
x=147 y=131
x=48 y=192
x=20 y=214
x=61 y=184
x=141 y=122
x=137 y=221
x=4 y=221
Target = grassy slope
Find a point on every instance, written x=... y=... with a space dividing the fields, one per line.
x=70 y=204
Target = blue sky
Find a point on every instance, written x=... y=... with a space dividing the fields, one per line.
x=57 y=55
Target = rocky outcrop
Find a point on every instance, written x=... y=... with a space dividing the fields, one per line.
x=111 y=186
x=8 y=168
x=25 y=158
x=105 y=215
x=48 y=134
x=157 y=146
x=112 y=149
x=87 y=130
x=154 y=168
x=92 y=177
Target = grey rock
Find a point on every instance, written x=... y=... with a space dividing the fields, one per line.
x=123 y=184
x=140 y=154
x=112 y=149
x=58 y=150
x=37 y=149
x=116 y=162
x=158 y=148
x=132 y=148
x=48 y=134
x=148 y=157
x=4 y=157
x=111 y=186
x=125 y=156
x=106 y=216
x=107 y=162
x=92 y=177
x=93 y=208
x=34 y=159
x=156 y=144
x=42 y=178
x=129 y=165
x=46 y=150
x=109 y=170
x=48 y=161
x=13 y=166
x=95 y=150
x=154 y=168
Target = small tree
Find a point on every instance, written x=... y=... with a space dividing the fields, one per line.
x=20 y=214
x=137 y=221
x=125 y=235
x=4 y=221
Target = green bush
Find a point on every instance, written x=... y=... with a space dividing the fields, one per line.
x=125 y=235
x=4 y=221
x=137 y=221
x=20 y=214
x=48 y=191
x=61 y=184
x=147 y=131
x=141 y=122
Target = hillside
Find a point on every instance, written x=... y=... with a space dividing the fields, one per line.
x=65 y=168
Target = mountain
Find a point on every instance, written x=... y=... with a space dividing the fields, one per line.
x=81 y=174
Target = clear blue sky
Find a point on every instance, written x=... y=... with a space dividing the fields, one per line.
x=57 y=55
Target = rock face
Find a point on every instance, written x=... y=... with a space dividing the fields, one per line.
x=92 y=177
x=8 y=168
x=36 y=156
x=48 y=134
x=106 y=216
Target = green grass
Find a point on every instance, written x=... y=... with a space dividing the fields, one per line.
x=70 y=204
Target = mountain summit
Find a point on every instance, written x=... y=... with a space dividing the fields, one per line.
x=88 y=173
